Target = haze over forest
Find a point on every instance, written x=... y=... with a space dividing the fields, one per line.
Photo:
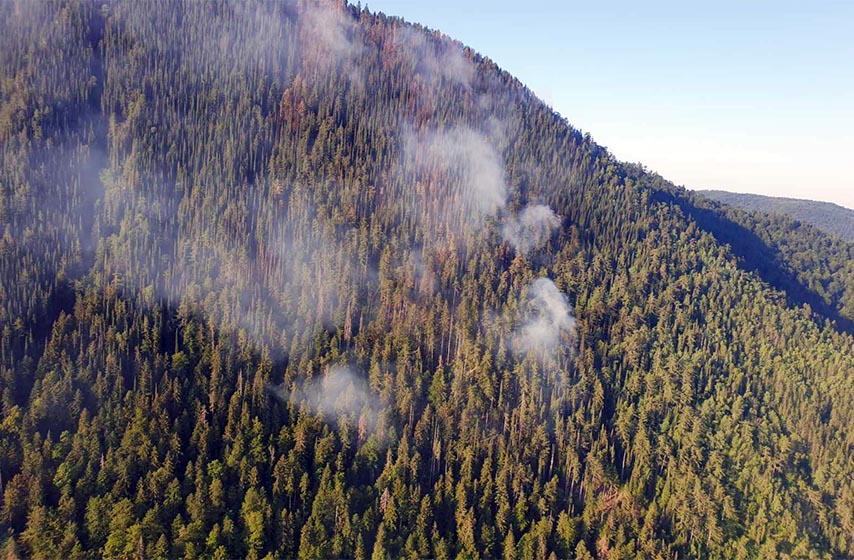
x=297 y=279
x=749 y=97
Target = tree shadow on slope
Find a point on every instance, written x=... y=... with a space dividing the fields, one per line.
x=756 y=256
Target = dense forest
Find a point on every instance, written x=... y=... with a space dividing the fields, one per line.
x=294 y=279
x=827 y=217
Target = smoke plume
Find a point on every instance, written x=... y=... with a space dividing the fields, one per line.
x=340 y=396
x=329 y=35
x=530 y=229
x=548 y=321
x=435 y=58
x=466 y=170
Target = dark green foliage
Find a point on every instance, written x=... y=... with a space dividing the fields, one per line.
x=210 y=226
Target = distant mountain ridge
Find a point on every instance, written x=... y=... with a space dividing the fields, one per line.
x=826 y=216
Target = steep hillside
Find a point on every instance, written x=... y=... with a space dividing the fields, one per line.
x=829 y=218
x=295 y=279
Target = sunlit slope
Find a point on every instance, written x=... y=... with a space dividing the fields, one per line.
x=296 y=279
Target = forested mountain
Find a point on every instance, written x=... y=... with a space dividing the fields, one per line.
x=829 y=218
x=290 y=279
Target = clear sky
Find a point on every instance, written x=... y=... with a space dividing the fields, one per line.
x=746 y=96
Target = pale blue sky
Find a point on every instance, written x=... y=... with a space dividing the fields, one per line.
x=747 y=96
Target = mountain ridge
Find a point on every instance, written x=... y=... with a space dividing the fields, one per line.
x=828 y=217
x=355 y=292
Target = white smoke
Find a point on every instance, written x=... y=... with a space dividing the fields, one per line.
x=340 y=392
x=329 y=34
x=341 y=396
x=469 y=169
x=291 y=280
x=530 y=229
x=548 y=322
x=435 y=57
x=247 y=38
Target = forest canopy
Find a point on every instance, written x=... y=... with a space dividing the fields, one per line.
x=292 y=278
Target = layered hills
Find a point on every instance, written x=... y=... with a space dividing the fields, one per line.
x=830 y=218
